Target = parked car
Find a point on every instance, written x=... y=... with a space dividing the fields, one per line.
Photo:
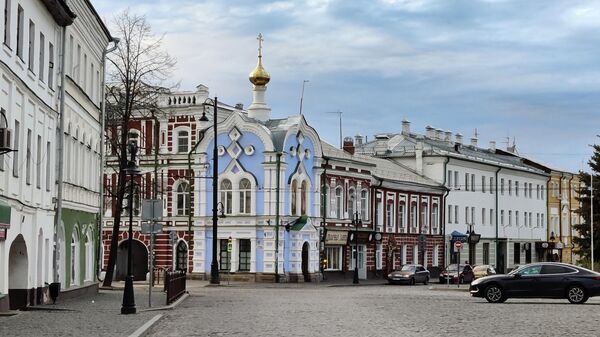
x=483 y=270
x=464 y=274
x=539 y=280
x=409 y=274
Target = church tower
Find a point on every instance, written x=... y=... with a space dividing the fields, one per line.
x=259 y=78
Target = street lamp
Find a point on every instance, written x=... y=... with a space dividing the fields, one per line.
x=128 y=306
x=552 y=238
x=473 y=238
x=214 y=268
x=356 y=221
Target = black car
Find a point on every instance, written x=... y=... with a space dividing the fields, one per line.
x=539 y=280
x=410 y=274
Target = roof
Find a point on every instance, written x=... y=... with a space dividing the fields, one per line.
x=61 y=13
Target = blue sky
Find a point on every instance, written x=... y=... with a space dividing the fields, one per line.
x=526 y=70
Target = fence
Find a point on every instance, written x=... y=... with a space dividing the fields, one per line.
x=174 y=284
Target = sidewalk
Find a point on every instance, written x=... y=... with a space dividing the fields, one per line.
x=93 y=315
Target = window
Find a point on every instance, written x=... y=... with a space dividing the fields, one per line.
x=510 y=218
x=537 y=219
x=50 y=65
x=182 y=199
x=456 y=185
x=333 y=258
x=224 y=256
x=516 y=188
x=486 y=253
x=502 y=217
x=181 y=261
x=509 y=187
x=467 y=215
x=530 y=218
x=525 y=219
x=338 y=202
x=20 y=28
x=466 y=181
x=246 y=196
x=483 y=215
x=424 y=217
x=542 y=219
x=492 y=222
x=244 y=255
x=294 y=197
x=28 y=159
x=530 y=189
x=449 y=213
x=472 y=183
x=435 y=257
x=48 y=166
x=449 y=178
x=38 y=163
x=182 y=141
x=552 y=269
x=413 y=214
x=517 y=218
x=533 y=270
x=74 y=258
x=226 y=196
x=483 y=184
x=31 y=44
x=472 y=214
x=84 y=86
x=76 y=69
x=542 y=192
x=364 y=204
x=7 y=5
x=351 y=200
x=434 y=217
x=517 y=253
x=502 y=186
x=71 y=51
x=456 y=214
x=492 y=186
x=389 y=215
x=537 y=191
x=42 y=56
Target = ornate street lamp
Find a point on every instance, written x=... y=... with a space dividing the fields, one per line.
x=214 y=266
x=473 y=238
x=356 y=221
x=128 y=306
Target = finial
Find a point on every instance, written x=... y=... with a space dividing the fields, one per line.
x=259 y=75
x=260 y=41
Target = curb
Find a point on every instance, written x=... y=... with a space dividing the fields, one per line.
x=170 y=306
x=47 y=308
x=465 y=289
x=144 y=328
x=356 y=285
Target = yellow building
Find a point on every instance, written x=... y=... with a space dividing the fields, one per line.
x=562 y=207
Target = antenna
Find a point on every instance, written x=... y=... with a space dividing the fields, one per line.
x=340 y=115
x=302 y=96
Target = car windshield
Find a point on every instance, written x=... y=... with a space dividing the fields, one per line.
x=407 y=268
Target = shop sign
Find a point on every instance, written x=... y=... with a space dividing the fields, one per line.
x=336 y=237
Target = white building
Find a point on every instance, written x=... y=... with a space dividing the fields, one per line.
x=497 y=194
x=29 y=68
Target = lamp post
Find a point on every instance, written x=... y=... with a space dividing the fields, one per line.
x=473 y=239
x=128 y=306
x=552 y=238
x=356 y=221
x=214 y=267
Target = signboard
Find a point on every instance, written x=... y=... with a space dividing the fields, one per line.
x=336 y=237
x=152 y=210
x=457 y=246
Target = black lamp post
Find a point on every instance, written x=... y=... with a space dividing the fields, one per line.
x=128 y=306
x=356 y=221
x=552 y=238
x=473 y=239
x=214 y=266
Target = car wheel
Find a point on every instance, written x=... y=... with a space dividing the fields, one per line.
x=494 y=294
x=412 y=281
x=426 y=282
x=576 y=294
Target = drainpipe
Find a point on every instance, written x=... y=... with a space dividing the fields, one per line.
x=102 y=156
x=324 y=216
x=497 y=217
x=60 y=155
x=277 y=167
x=375 y=220
x=443 y=212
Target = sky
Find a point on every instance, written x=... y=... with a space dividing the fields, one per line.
x=527 y=71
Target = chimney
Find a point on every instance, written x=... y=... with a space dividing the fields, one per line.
x=493 y=145
x=474 y=141
x=358 y=140
x=429 y=132
x=439 y=134
x=239 y=106
x=348 y=145
x=419 y=156
x=459 y=138
x=448 y=136
x=405 y=127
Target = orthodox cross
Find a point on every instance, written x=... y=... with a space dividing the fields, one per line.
x=260 y=41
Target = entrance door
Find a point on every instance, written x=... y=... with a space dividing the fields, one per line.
x=139 y=257
x=17 y=274
x=305 y=262
x=362 y=261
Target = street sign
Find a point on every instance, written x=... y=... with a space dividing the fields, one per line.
x=457 y=246
x=152 y=210
x=152 y=227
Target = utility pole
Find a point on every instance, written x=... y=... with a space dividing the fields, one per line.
x=302 y=96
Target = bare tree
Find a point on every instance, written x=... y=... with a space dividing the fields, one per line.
x=138 y=67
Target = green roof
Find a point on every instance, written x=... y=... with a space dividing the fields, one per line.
x=299 y=223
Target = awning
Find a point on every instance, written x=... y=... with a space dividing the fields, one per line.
x=4 y=215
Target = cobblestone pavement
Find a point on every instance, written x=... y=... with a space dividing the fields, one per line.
x=377 y=310
x=84 y=318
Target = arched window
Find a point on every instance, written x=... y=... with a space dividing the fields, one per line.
x=136 y=199
x=303 y=197
x=338 y=202
x=182 y=141
x=424 y=217
x=351 y=203
x=324 y=199
x=389 y=215
x=89 y=256
x=364 y=203
x=413 y=214
x=294 y=197
x=74 y=258
x=245 y=196
x=226 y=195
x=401 y=214
x=434 y=218
x=181 y=198
x=181 y=261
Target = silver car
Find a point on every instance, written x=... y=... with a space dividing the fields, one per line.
x=409 y=274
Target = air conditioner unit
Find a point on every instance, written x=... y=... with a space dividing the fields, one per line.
x=5 y=139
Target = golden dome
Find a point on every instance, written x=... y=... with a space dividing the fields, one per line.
x=259 y=76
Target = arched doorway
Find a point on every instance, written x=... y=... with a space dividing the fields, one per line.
x=139 y=257
x=181 y=257
x=305 y=248
x=17 y=274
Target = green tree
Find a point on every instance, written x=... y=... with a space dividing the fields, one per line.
x=582 y=241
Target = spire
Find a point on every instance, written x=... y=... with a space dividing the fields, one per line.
x=259 y=78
